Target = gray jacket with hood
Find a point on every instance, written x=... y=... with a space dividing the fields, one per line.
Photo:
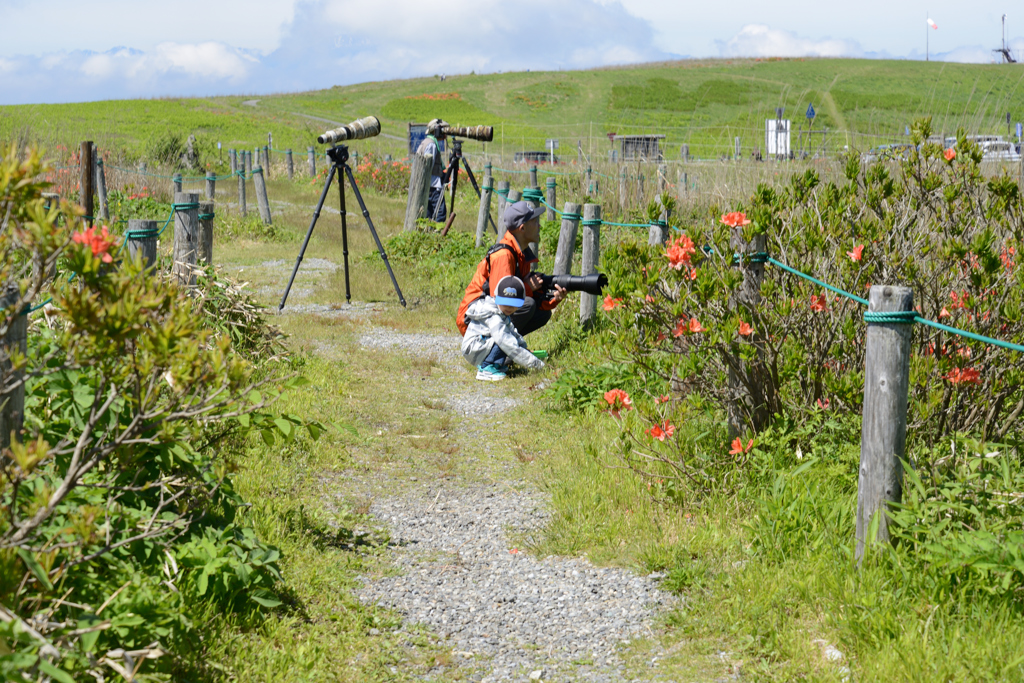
x=487 y=327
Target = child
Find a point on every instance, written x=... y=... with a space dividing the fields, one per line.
x=491 y=340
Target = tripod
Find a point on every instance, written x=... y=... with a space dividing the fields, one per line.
x=339 y=165
x=454 y=160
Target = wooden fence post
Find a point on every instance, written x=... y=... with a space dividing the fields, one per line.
x=567 y=239
x=657 y=234
x=419 y=189
x=185 y=249
x=12 y=401
x=266 y=160
x=502 y=191
x=186 y=237
x=551 y=199
x=141 y=240
x=684 y=152
x=206 y=216
x=623 y=196
x=211 y=185
x=884 y=427
x=233 y=158
x=738 y=149
x=533 y=176
x=291 y=164
x=743 y=399
x=85 y=180
x=241 y=193
x=260 y=185
x=101 y=190
x=590 y=259
x=311 y=161
x=176 y=180
x=485 y=209
x=248 y=163
x=590 y=176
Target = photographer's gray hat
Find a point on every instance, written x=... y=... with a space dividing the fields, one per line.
x=519 y=213
x=435 y=126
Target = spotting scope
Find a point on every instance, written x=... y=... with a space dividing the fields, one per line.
x=481 y=133
x=366 y=127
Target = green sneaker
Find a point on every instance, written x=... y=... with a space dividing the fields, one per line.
x=490 y=373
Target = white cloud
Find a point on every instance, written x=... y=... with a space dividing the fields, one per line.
x=759 y=40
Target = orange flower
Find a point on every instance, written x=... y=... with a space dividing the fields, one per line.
x=738 y=448
x=823 y=404
x=819 y=303
x=949 y=154
x=683 y=327
x=735 y=219
x=963 y=376
x=99 y=242
x=695 y=326
x=618 y=401
x=679 y=252
x=663 y=399
x=610 y=303
x=944 y=313
x=661 y=431
x=856 y=253
x=745 y=329
x=662 y=336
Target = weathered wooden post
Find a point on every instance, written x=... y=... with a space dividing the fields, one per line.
x=141 y=240
x=260 y=185
x=177 y=182
x=657 y=234
x=291 y=164
x=590 y=259
x=206 y=216
x=101 y=190
x=746 y=400
x=248 y=163
x=567 y=239
x=623 y=195
x=419 y=189
x=186 y=236
x=684 y=152
x=52 y=200
x=551 y=199
x=533 y=176
x=502 y=192
x=15 y=340
x=211 y=185
x=266 y=160
x=241 y=193
x=485 y=209
x=590 y=176
x=883 y=436
x=233 y=158
x=738 y=148
x=311 y=161
x=85 y=180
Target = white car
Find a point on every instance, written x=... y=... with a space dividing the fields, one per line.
x=999 y=151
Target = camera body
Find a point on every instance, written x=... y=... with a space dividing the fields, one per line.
x=589 y=284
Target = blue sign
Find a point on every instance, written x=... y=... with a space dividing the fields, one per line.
x=1020 y=130
x=810 y=111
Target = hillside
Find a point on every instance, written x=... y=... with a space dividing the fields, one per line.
x=703 y=103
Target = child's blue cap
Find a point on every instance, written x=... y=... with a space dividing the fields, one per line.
x=510 y=292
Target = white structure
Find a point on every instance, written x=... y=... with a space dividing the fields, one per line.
x=776 y=137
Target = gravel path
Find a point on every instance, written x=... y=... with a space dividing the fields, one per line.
x=507 y=614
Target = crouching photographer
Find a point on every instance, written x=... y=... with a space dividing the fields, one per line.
x=511 y=256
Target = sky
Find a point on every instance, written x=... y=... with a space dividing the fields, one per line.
x=72 y=51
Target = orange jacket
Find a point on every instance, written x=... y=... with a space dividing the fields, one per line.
x=490 y=270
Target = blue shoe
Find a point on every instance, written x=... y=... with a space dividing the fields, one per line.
x=490 y=373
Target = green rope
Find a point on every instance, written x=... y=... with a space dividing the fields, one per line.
x=187 y=206
x=206 y=216
x=863 y=302
x=890 y=317
x=753 y=257
x=141 y=234
x=566 y=216
x=970 y=335
x=532 y=194
x=592 y=221
x=627 y=225
x=659 y=223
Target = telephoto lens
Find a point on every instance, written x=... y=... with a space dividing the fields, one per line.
x=366 y=127
x=481 y=133
x=589 y=284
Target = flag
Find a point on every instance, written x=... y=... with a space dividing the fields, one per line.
x=933 y=24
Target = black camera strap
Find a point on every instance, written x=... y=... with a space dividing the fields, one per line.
x=487 y=259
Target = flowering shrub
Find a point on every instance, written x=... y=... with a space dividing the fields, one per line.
x=389 y=178
x=760 y=342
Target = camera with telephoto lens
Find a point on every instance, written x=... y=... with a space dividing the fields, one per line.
x=589 y=284
x=481 y=133
x=366 y=127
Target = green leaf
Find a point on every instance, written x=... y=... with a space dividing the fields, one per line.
x=268 y=436
x=285 y=426
x=55 y=673
x=83 y=395
x=203 y=583
x=35 y=568
x=265 y=598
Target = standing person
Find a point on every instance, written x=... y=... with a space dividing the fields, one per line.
x=436 y=209
x=491 y=342
x=511 y=256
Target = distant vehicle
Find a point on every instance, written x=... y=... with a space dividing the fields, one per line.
x=999 y=151
x=888 y=152
x=979 y=140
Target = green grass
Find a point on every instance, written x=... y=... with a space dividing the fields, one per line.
x=704 y=103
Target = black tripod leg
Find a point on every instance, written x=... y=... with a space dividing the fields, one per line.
x=309 y=233
x=369 y=223
x=344 y=235
x=472 y=179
